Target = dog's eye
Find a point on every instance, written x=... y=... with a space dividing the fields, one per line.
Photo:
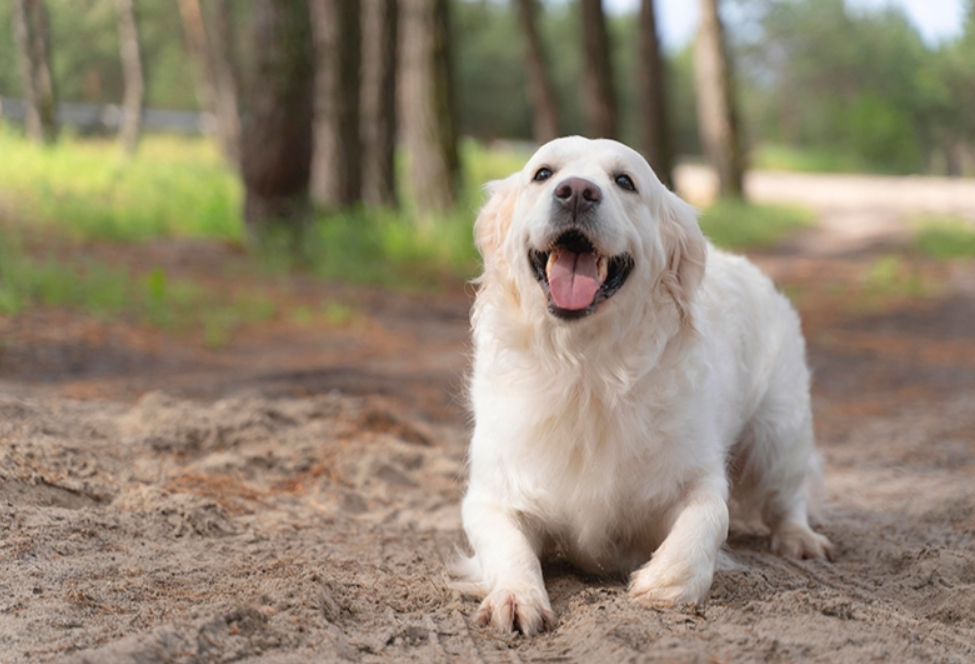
x=542 y=174
x=625 y=182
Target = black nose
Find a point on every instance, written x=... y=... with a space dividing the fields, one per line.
x=578 y=194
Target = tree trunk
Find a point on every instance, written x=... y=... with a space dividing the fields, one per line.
x=599 y=100
x=214 y=74
x=953 y=158
x=276 y=136
x=378 y=112
x=226 y=83
x=655 y=140
x=336 y=171
x=128 y=37
x=716 y=111
x=545 y=110
x=196 y=45
x=428 y=120
x=33 y=45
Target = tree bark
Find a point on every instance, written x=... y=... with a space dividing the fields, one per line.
x=654 y=127
x=545 y=110
x=196 y=45
x=336 y=172
x=429 y=124
x=716 y=110
x=276 y=135
x=599 y=100
x=33 y=45
x=226 y=78
x=134 y=84
x=214 y=73
x=378 y=112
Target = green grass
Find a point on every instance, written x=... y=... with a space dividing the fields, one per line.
x=786 y=158
x=112 y=292
x=179 y=187
x=736 y=225
x=945 y=237
x=173 y=187
x=891 y=276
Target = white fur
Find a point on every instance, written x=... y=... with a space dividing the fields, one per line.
x=618 y=440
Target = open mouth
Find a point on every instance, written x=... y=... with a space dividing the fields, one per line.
x=575 y=277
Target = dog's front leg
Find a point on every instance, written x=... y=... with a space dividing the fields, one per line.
x=506 y=554
x=682 y=567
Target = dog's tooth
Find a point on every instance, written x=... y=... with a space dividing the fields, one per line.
x=602 y=267
x=552 y=257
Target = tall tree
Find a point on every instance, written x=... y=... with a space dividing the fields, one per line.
x=195 y=36
x=716 y=110
x=545 y=109
x=134 y=90
x=429 y=125
x=336 y=172
x=378 y=99
x=213 y=72
x=654 y=127
x=33 y=46
x=276 y=136
x=599 y=99
x=226 y=78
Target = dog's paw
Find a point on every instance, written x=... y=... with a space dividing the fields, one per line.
x=658 y=584
x=524 y=609
x=799 y=541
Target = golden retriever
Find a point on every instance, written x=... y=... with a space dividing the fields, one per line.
x=629 y=382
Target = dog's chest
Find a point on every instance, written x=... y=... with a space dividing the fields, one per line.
x=598 y=483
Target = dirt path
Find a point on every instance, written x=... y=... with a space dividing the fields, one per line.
x=294 y=497
x=855 y=212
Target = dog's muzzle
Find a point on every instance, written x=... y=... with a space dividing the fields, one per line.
x=575 y=277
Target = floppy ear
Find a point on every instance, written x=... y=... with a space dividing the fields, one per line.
x=494 y=220
x=685 y=252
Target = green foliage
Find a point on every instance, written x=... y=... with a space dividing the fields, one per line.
x=883 y=135
x=180 y=187
x=488 y=70
x=382 y=247
x=945 y=237
x=816 y=76
x=174 y=186
x=85 y=59
x=89 y=285
x=105 y=291
x=780 y=157
x=860 y=85
x=390 y=247
x=736 y=225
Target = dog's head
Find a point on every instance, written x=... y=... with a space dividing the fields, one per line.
x=586 y=227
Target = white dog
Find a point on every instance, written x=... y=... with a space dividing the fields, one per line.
x=629 y=380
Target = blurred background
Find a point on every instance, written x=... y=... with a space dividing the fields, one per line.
x=177 y=165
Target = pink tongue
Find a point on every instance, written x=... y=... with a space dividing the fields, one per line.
x=573 y=280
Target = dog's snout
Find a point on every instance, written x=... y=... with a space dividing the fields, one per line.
x=578 y=194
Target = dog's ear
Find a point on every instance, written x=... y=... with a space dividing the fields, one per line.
x=494 y=219
x=685 y=252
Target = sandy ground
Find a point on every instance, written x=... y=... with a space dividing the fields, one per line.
x=294 y=497
x=856 y=212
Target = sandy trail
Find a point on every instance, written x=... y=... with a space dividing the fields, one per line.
x=855 y=212
x=294 y=498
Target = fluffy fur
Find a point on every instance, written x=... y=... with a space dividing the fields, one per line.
x=618 y=440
